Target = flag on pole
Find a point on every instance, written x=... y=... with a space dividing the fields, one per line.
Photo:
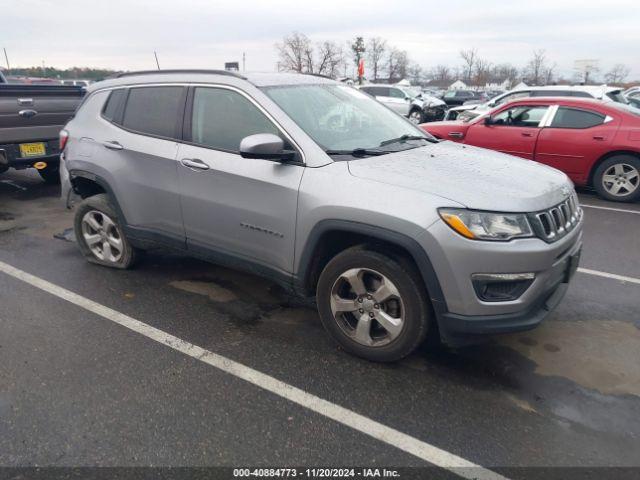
x=361 y=68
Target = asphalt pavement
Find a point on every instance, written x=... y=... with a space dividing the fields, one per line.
x=79 y=389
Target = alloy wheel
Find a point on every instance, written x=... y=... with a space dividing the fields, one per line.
x=102 y=236
x=415 y=117
x=367 y=307
x=621 y=179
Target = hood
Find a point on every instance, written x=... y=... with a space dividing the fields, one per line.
x=474 y=177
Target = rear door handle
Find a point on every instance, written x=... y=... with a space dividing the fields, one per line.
x=112 y=145
x=527 y=134
x=455 y=134
x=194 y=164
x=598 y=137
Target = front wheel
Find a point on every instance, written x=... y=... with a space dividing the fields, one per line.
x=618 y=178
x=99 y=234
x=415 y=117
x=373 y=305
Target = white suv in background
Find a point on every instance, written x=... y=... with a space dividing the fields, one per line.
x=600 y=92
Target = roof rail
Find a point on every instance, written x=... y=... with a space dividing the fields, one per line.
x=152 y=72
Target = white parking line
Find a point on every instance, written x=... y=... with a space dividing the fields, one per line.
x=388 y=435
x=637 y=212
x=613 y=276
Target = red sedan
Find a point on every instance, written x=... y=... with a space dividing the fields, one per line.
x=595 y=143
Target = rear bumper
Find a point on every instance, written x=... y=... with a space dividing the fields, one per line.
x=10 y=156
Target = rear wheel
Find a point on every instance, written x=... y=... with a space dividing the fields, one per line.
x=373 y=305
x=50 y=174
x=618 y=178
x=99 y=234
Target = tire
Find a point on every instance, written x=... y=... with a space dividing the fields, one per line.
x=416 y=117
x=50 y=174
x=96 y=218
x=618 y=178
x=406 y=306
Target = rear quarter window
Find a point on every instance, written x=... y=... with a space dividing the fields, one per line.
x=113 y=106
x=154 y=110
x=575 y=118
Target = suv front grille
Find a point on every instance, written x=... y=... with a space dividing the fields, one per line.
x=556 y=222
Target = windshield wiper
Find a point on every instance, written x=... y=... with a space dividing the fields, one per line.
x=357 y=152
x=404 y=138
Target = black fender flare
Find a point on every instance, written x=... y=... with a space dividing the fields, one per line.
x=420 y=257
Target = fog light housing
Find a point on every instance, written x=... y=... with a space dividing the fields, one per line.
x=501 y=287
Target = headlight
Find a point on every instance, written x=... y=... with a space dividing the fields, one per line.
x=487 y=225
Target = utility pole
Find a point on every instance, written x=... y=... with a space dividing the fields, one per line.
x=157 y=63
x=244 y=60
x=6 y=58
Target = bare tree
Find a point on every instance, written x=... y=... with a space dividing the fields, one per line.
x=482 y=72
x=293 y=52
x=549 y=74
x=415 y=74
x=397 y=64
x=535 y=69
x=330 y=58
x=504 y=72
x=617 y=74
x=376 y=49
x=469 y=58
x=441 y=75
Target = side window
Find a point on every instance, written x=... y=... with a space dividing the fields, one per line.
x=396 y=93
x=381 y=92
x=222 y=118
x=521 y=116
x=154 y=110
x=369 y=90
x=578 y=93
x=574 y=118
x=111 y=110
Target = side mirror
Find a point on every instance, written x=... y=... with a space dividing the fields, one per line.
x=265 y=146
x=488 y=120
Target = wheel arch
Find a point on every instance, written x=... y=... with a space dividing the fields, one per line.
x=87 y=184
x=329 y=237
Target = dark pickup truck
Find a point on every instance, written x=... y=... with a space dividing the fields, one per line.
x=31 y=117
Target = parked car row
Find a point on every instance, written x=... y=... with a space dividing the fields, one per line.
x=473 y=109
x=596 y=143
x=412 y=102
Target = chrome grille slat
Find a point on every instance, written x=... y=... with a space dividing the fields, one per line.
x=557 y=221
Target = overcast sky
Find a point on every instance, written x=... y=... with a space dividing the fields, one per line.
x=205 y=33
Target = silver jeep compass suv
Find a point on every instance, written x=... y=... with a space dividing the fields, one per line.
x=326 y=191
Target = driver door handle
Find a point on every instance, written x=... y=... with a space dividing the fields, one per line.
x=527 y=134
x=194 y=164
x=112 y=145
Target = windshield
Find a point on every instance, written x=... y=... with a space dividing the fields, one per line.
x=617 y=96
x=412 y=91
x=343 y=119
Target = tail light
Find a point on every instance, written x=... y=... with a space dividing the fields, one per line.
x=64 y=137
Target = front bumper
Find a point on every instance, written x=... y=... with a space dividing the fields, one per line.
x=455 y=259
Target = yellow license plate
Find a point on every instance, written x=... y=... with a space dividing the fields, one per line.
x=32 y=149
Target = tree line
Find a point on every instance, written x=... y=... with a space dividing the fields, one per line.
x=385 y=62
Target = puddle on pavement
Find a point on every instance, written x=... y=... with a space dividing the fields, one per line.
x=600 y=355
x=209 y=289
